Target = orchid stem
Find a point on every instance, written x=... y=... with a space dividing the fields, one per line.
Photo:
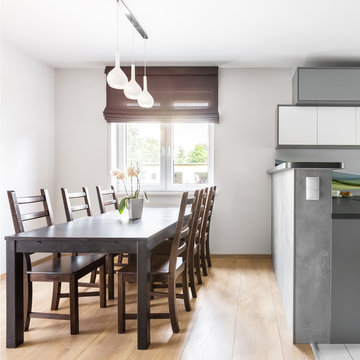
x=127 y=195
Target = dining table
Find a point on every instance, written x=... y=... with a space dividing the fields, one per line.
x=106 y=233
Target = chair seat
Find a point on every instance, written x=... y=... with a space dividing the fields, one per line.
x=68 y=265
x=159 y=265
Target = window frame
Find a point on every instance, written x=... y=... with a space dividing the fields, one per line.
x=118 y=158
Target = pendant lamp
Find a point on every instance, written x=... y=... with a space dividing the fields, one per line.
x=145 y=99
x=132 y=89
x=116 y=78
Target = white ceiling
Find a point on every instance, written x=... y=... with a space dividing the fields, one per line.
x=81 y=33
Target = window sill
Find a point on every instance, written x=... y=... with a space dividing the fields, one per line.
x=161 y=193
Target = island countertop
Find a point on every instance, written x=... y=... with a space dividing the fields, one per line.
x=306 y=165
x=346 y=208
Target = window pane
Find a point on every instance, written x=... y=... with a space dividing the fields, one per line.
x=191 y=153
x=143 y=148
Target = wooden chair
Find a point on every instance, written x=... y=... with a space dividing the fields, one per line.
x=103 y=203
x=60 y=269
x=197 y=210
x=205 y=229
x=164 y=269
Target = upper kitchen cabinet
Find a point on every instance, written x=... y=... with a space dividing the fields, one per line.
x=297 y=125
x=326 y=86
x=318 y=127
x=336 y=125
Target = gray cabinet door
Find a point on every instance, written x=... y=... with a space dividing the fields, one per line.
x=337 y=86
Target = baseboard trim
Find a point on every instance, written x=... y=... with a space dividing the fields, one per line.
x=242 y=256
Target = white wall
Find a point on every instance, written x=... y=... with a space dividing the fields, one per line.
x=244 y=149
x=27 y=131
x=82 y=135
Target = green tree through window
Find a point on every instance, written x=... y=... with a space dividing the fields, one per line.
x=180 y=156
x=199 y=154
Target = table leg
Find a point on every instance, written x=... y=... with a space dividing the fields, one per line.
x=143 y=295
x=110 y=268
x=14 y=296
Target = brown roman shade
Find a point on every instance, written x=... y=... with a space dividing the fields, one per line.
x=181 y=94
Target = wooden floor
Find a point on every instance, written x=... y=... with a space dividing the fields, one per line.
x=238 y=315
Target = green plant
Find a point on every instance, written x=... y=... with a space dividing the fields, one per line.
x=133 y=172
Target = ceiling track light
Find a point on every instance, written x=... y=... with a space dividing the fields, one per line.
x=116 y=78
x=133 y=20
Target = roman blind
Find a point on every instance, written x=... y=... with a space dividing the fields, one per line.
x=181 y=94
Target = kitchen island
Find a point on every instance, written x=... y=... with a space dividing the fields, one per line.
x=316 y=252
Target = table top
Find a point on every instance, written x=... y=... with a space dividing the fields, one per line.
x=111 y=225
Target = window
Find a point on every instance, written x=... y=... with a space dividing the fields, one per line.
x=170 y=156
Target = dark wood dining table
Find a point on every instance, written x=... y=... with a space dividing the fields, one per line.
x=107 y=233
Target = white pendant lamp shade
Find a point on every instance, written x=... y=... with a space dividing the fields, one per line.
x=132 y=89
x=145 y=99
x=116 y=78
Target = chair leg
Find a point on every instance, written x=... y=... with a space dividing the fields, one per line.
x=27 y=303
x=172 y=306
x=110 y=269
x=197 y=265
x=121 y=304
x=185 y=288
x=208 y=252
x=152 y=289
x=74 y=306
x=56 y=295
x=102 y=284
x=93 y=276
x=203 y=259
x=191 y=276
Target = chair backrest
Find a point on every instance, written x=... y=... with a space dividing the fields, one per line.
x=183 y=229
x=194 y=236
x=20 y=217
x=211 y=192
x=102 y=202
x=69 y=209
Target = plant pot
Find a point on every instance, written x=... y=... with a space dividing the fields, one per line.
x=135 y=208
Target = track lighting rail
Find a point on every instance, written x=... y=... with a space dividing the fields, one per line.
x=133 y=20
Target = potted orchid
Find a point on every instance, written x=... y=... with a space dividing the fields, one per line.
x=132 y=201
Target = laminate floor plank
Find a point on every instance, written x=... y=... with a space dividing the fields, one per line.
x=256 y=312
x=212 y=335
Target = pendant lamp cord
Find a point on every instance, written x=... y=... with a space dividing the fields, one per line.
x=132 y=45
x=117 y=25
x=144 y=57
